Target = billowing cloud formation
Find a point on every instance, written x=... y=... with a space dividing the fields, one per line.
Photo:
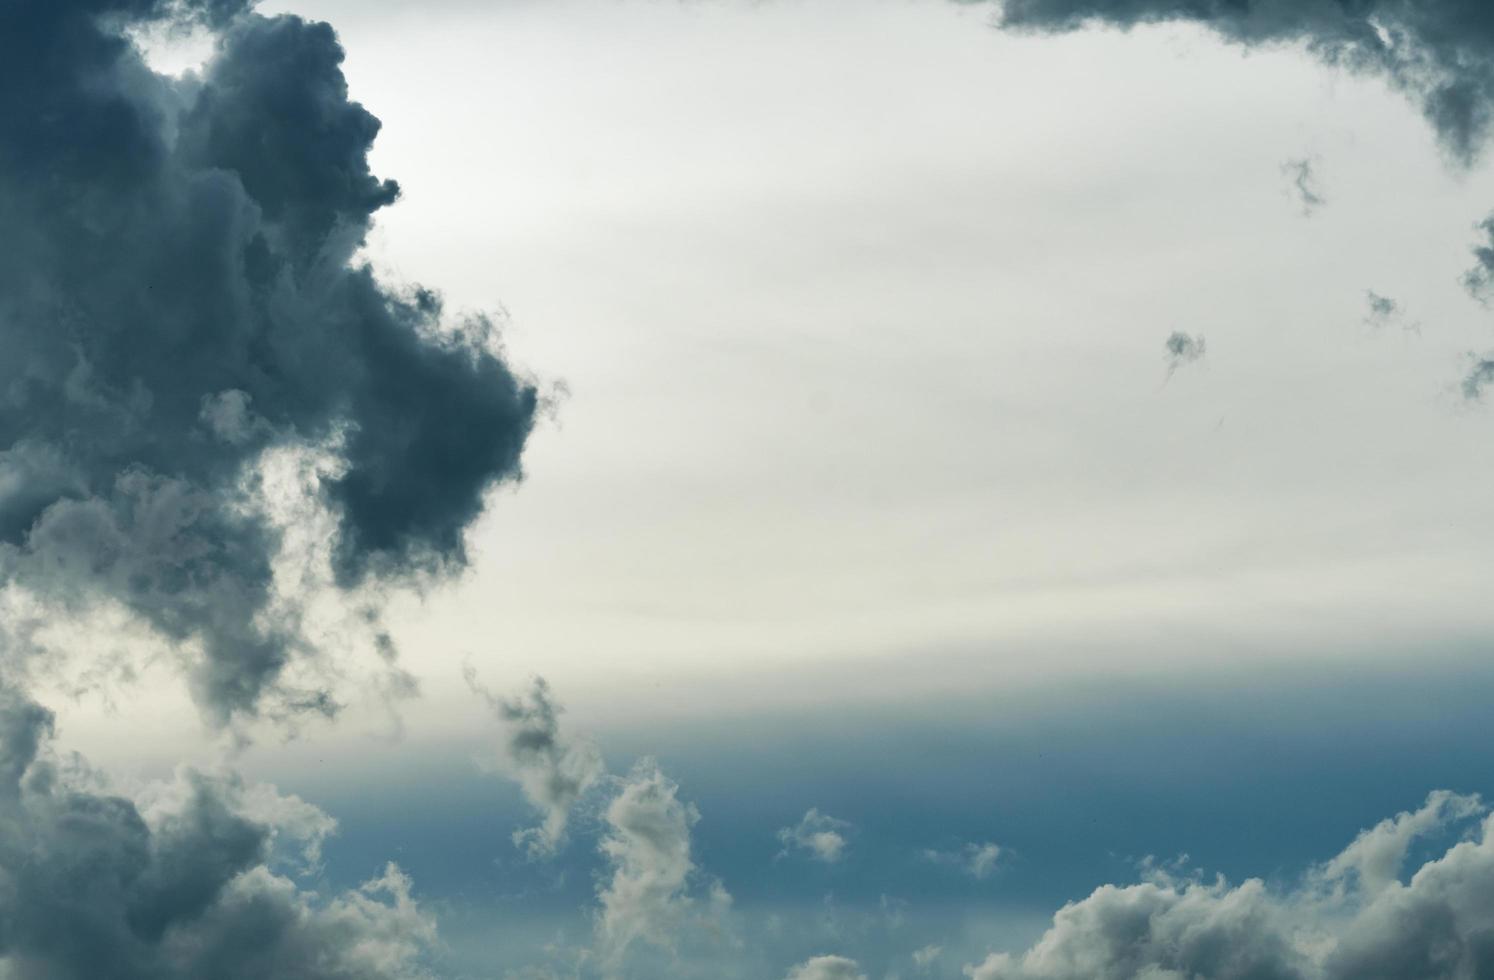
x=1304 y=184
x=1373 y=861
x=94 y=885
x=552 y=771
x=1439 y=52
x=648 y=847
x=1352 y=919
x=180 y=295
x=827 y=968
x=818 y=834
x=1181 y=349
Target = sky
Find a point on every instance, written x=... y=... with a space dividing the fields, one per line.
x=794 y=490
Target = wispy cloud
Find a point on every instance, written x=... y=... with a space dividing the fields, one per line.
x=1181 y=349
x=817 y=834
x=552 y=770
x=978 y=860
x=1303 y=183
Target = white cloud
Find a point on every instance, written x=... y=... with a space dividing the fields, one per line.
x=648 y=847
x=1436 y=926
x=1376 y=856
x=822 y=836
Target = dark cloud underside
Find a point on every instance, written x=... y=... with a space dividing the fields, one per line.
x=1436 y=51
x=179 y=294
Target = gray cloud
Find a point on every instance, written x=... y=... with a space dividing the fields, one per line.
x=1479 y=377
x=1182 y=349
x=1382 y=309
x=181 y=295
x=1352 y=918
x=820 y=835
x=180 y=886
x=1480 y=279
x=552 y=771
x=1304 y=184
x=1440 y=53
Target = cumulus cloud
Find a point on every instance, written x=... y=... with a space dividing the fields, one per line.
x=183 y=884
x=181 y=295
x=1374 y=860
x=1158 y=929
x=978 y=860
x=553 y=771
x=819 y=835
x=1303 y=181
x=827 y=968
x=647 y=846
x=1353 y=917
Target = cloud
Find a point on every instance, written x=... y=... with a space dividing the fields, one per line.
x=1183 y=349
x=827 y=968
x=1374 y=859
x=1381 y=308
x=648 y=848
x=182 y=296
x=1304 y=184
x=1480 y=375
x=925 y=957
x=552 y=771
x=1353 y=917
x=1479 y=281
x=975 y=859
x=820 y=835
x=180 y=886
x=1439 y=53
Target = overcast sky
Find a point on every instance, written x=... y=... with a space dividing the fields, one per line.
x=978 y=466
x=860 y=314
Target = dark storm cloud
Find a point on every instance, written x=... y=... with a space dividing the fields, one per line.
x=178 y=295
x=1438 y=52
x=93 y=885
